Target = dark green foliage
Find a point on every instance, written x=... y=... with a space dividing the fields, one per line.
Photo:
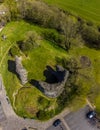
x=14 y=51
x=29 y=42
x=24 y=46
x=70 y=64
x=71 y=89
x=40 y=13
x=45 y=115
x=91 y=36
x=68 y=26
x=44 y=102
x=54 y=37
x=50 y=17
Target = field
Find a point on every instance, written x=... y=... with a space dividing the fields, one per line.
x=87 y=9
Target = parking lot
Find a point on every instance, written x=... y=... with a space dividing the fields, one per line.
x=78 y=121
x=2 y=115
x=59 y=127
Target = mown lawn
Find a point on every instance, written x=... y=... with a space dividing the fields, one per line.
x=88 y=9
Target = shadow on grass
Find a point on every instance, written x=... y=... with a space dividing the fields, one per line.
x=12 y=68
x=36 y=84
x=49 y=73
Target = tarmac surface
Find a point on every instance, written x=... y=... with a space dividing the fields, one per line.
x=70 y=121
x=78 y=120
x=59 y=127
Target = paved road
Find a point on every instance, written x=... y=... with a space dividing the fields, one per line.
x=78 y=121
x=2 y=114
x=72 y=121
x=13 y=122
x=59 y=127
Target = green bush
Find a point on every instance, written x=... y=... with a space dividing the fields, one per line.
x=14 y=51
x=40 y=13
x=91 y=36
x=45 y=115
x=43 y=102
x=29 y=42
x=55 y=37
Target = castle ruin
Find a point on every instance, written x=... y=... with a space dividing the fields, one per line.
x=55 y=89
x=21 y=70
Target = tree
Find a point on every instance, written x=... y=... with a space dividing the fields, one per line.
x=31 y=38
x=12 y=5
x=70 y=29
x=91 y=36
x=29 y=42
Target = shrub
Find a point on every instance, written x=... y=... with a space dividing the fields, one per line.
x=55 y=37
x=40 y=13
x=91 y=36
x=14 y=51
x=1 y=1
x=45 y=115
x=12 y=5
x=29 y=42
x=43 y=102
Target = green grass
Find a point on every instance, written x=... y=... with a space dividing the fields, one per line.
x=87 y=9
x=27 y=102
x=94 y=56
x=90 y=77
x=97 y=103
x=35 y=62
x=24 y=100
x=41 y=57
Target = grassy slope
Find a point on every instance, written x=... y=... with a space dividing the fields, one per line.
x=35 y=64
x=88 y=9
x=46 y=55
x=91 y=76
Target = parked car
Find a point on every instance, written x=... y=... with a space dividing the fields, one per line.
x=91 y=114
x=56 y=122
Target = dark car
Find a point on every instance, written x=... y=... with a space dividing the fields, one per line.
x=24 y=128
x=56 y=122
x=91 y=114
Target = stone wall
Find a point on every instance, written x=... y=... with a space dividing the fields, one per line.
x=55 y=89
x=21 y=70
